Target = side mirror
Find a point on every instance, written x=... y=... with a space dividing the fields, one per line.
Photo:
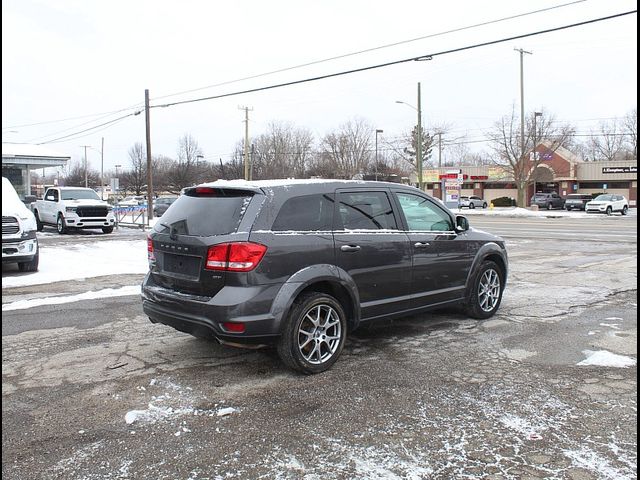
x=462 y=224
x=29 y=199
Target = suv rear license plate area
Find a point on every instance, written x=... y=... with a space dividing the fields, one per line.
x=182 y=265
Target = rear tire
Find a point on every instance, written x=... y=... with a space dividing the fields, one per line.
x=486 y=291
x=472 y=205
x=484 y=205
x=313 y=334
x=31 y=266
x=548 y=206
x=39 y=225
x=61 y=226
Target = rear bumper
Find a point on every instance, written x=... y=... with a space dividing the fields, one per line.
x=204 y=317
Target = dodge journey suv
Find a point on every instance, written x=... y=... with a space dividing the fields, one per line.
x=301 y=263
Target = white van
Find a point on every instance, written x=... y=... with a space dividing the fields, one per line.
x=19 y=242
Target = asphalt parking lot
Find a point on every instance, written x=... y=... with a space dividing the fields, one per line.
x=92 y=390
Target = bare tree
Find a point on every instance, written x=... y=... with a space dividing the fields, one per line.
x=347 y=149
x=135 y=179
x=187 y=169
x=630 y=125
x=283 y=151
x=609 y=141
x=505 y=141
x=74 y=175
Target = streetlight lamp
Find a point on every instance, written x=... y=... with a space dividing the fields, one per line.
x=535 y=163
x=419 y=139
x=376 y=165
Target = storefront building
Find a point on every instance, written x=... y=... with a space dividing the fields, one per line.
x=557 y=171
x=18 y=159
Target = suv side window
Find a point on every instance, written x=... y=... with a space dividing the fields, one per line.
x=308 y=213
x=423 y=215
x=365 y=211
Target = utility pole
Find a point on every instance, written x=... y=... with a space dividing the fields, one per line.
x=439 y=149
x=253 y=151
x=86 y=165
x=419 y=147
x=149 y=173
x=247 y=174
x=522 y=52
x=102 y=170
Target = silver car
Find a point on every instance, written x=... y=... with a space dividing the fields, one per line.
x=472 y=202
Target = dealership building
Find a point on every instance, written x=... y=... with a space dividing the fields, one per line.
x=18 y=159
x=557 y=171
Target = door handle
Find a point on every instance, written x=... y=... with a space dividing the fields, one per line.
x=421 y=244
x=350 y=248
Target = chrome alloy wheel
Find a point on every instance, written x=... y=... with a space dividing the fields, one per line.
x=489 y=290
x=319 y=334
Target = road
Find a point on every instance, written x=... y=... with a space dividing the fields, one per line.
x=436 y=396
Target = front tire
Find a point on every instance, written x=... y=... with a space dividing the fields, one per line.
x=313 y=334
x=31 y=266
x=472 y=205
x=486 y=292
x=625 y=210
x=61 y=226
x=609 y=211
x=107 y=229
x=548 y=206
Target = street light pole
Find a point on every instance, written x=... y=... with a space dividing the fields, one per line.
x=535 y=163
x=522 y=155
x=419 y=147
x=86 y=166
x=418 y=136
x=376 y=164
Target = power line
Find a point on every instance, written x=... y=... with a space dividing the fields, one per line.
x=104 y=114
x=92 y=128
x=396 y=62
x=373 y=49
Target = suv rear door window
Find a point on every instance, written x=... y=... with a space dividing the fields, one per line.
x=308 y=213
x=365 y=211
x=205 y=211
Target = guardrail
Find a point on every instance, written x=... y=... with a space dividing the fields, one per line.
x=131 y=216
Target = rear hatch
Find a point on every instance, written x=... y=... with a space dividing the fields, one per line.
x=200 y=218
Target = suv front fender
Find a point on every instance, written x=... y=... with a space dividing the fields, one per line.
x=491 y=251
x=322 y=275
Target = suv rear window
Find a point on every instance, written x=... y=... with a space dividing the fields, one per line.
x=203 y=212
x=308 y=213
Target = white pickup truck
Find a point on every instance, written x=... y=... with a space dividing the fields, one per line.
x=19 y=242
x=73 y=207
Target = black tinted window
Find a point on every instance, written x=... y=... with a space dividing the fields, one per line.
x=205 y=213
x=308 y=213
x=365 y=211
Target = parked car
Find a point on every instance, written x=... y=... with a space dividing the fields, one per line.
x=73 y=207
x=472 y=202
x=547 y=200
x=608 y=203
x=299 y=264
x=577 y=201
x=161 y=204
x=133 y=201
x=19 y=241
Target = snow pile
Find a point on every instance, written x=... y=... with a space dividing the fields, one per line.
x=90 y=295
x=93 y=259
x=604 y=358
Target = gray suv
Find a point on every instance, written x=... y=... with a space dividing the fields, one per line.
x=299 y=264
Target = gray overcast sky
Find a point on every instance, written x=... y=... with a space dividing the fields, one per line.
x=71 y=58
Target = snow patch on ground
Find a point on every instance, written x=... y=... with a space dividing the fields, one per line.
x=93 y=259
x=603 y=358
x=90 y=295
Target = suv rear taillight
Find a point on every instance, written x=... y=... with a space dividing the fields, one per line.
x=235 y=256
x=150 y=253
